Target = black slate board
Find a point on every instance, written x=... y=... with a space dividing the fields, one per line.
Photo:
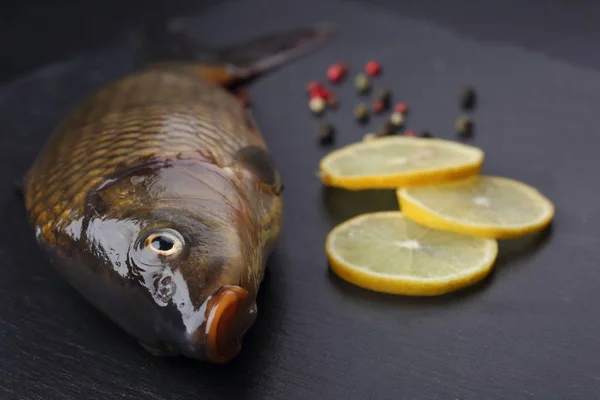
x=529 y=331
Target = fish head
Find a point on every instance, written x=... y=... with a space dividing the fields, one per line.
x=194 y=265
x=187 y=243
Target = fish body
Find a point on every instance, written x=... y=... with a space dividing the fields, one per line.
x=158 y=200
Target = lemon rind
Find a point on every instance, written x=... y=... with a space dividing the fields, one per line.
x=403 y=285
x=425 y=176
x=421 y=214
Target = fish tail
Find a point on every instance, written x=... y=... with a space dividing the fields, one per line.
x=168 y=42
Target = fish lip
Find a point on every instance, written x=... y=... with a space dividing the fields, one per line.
x=230 y=312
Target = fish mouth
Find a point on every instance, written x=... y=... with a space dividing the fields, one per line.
x=231 y=313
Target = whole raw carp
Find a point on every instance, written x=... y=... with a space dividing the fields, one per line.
x=157 y=198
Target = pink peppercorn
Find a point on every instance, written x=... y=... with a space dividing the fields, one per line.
x=312 y=86
x=402 y=108
x=320 y=91
x=378 y=106
x=336 y=72
x=373 y=68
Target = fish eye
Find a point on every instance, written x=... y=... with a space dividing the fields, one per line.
x=164 y=243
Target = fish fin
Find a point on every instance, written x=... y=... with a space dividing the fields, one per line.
x=243 y=96
x=268 y=52
x=259 y=162
x=169 y=42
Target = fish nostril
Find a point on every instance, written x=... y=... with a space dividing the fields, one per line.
x=166 y=289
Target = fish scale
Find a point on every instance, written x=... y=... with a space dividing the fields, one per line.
x=95 y=144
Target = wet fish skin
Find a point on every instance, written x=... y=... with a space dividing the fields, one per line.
x=157 y=199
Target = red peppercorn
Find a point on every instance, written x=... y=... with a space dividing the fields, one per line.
x=315 y=93
x=410 y=132
x=378 y=106
x=336 y=72
x=320 y=91
x=312 y=86
x=402 y=108
x=372 y=68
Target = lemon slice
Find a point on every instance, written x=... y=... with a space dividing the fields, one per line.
x=399 y=161
x=387 y=252
x=485 y=206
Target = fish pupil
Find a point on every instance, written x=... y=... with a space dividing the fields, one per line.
x=163 y=243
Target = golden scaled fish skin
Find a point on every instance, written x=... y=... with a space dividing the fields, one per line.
x=158 y=200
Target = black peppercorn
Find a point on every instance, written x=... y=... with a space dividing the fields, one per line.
x=326 y=133
x=425 y=134
x=468 y=98
x=464 y=126
x=361 y=113
x=362 y=84
x=383 y=96
x=387 y=128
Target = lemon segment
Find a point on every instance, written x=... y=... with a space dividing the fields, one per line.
x=484 y=206
x=387 y=252
x=399 y=161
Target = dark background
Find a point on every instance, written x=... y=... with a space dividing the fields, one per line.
x=528 y=331
x=36 y=32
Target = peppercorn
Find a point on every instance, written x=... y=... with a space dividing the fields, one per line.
x=326 y=133
x=387 y=128
x=332 y=101
x=317 y=105
x=410 y=132
x=402 y=108
x=464 y=126
x=426 y=134
x=336 y=72
x=320 y=91
x=361 y=113
x=378 y=107
x=384 y=96
x=468 y=98
x=312 y=86
x=397 y=118
x=362 y=84
x=373 y=68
